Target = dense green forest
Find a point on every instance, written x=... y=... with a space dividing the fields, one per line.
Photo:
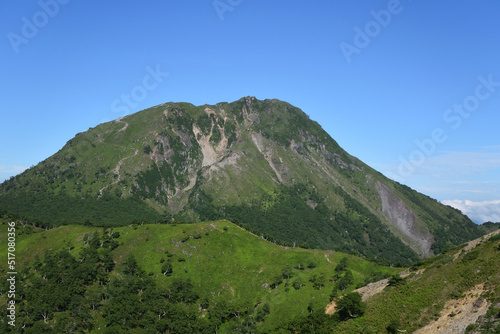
x=61 y=209
x=295 y=222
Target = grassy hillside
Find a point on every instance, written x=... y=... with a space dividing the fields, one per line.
x=448 y=291
x=239 y=280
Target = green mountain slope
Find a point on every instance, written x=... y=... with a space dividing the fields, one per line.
x=262 y=164
x=216 y=277
x=455 y=292
x=188 y=278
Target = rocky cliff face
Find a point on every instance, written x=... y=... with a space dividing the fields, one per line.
x=263 y=164
x=405 y=221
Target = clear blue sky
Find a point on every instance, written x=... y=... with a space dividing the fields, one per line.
x=377 y=75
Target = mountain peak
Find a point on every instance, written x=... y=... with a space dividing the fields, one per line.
x=260 y=163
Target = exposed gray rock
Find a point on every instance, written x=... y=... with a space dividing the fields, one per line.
x=405 y=220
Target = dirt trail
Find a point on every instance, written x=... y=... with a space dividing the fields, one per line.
x=120 y=120
x=116 y=171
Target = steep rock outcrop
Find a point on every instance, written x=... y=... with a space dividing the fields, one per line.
x=405 y=221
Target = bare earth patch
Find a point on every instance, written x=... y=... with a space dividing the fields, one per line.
x=366 y=292
x=331 y=308
x=457 y=314
x=370 y=290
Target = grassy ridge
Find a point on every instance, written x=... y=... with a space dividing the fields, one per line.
x=419 y=299
x=224 y=263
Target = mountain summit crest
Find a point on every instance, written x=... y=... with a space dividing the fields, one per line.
x=260 y=163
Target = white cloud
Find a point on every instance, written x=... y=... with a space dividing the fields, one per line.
x=478 y=212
